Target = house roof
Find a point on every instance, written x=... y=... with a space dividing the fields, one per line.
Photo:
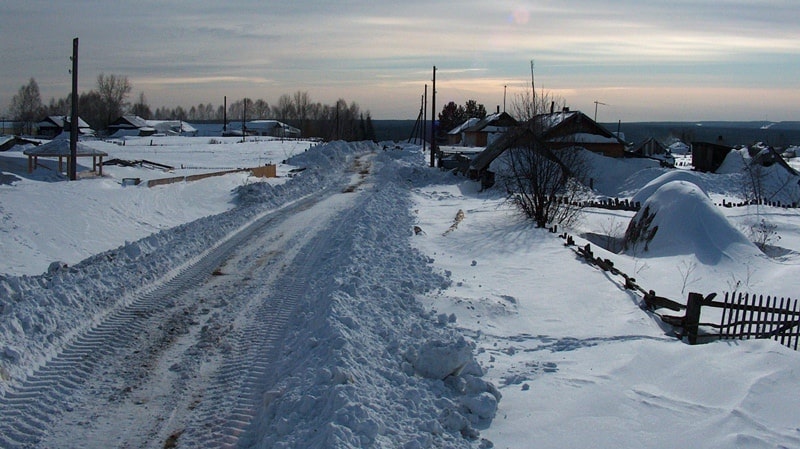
x=170 y=126
x=129 y=121
x=562 y=127
x=59 y=121
x=650 y=141
x=267 y=125
x=502 y=119
x=468 y=123
x=60 y=147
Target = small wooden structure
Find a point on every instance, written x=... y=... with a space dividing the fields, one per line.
x=709 y=156
x=59 y=148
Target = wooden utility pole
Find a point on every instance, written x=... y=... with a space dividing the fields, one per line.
x=73 y=120
x=424 y=118
x=224 y=113
x=244 y=119
x=433 y=121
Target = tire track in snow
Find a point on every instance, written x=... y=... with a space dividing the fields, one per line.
x=246 y=375
x=29 y=409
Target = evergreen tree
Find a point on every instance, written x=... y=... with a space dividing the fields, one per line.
x=451 y=116
x=474 y=110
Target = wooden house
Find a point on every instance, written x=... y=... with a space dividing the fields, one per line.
x=130 y=125
x=566 y=129
x=53 y=125
x=456 y=135
x=708 y=156
x=272 y=128
x=553 y=131
x=650 y=148
x=487 y=130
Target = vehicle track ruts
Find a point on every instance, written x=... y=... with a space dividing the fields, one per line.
x=246 y=374
x=46 y=393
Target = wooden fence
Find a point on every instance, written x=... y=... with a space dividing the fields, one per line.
x=739 y=316
x=745 y=316
x=267 y=171
x=609 y=203
x=759 y=202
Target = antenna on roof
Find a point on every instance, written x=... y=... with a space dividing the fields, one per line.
x=595 y=108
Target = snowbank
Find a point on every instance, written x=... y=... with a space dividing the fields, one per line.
x=679 y=218
x=37 y=312
x=670 y=176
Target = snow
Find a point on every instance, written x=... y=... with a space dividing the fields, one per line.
x=489 y=332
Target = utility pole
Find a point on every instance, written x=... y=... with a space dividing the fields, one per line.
x=244 y=118
x=224 y=114
x=424 y=117
x=533 y=84
x=595 y=108
x=73 y=121
x=433 y=121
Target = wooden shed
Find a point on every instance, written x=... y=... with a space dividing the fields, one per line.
x=708 y=156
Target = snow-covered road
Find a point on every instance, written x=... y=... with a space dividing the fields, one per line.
x=253 y=343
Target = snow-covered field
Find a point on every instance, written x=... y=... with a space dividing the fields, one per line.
x=374 y=315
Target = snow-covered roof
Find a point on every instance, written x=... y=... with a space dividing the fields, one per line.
x=171 y=126
x=133 y=120
x=267 y=125
x=60 y=147
x=468 y=123
x=59 y=121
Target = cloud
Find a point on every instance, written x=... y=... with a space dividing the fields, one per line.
x=381 y=50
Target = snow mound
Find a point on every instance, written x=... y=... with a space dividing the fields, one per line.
x=673 y=175
x=679 y=218
x=735 y=162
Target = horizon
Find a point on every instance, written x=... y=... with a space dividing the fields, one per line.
x=642 y=61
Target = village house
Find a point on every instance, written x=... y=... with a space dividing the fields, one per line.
x=653 y=149
x=53 y=125
x=487 y=130
x=456 y=135
x=556 y=130
x=271 y=128
x=133 y=125
x=709 y=156
x=130 y=125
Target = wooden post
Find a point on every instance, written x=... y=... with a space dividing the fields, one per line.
x=692 y=319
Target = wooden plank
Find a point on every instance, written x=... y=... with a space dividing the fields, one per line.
x=726 y=317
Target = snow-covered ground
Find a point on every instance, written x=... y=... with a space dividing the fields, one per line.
x=375 y=316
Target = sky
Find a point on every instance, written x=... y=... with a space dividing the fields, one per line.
x=645 y=60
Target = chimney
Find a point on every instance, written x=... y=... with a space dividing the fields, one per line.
x=498 y=108
x=552 y=107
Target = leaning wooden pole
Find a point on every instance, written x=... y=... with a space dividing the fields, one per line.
x=73 y=120
x=433 y=121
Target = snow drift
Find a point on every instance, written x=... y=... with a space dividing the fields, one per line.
x=679 y=218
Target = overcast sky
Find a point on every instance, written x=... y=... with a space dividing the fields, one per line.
x=646 y=59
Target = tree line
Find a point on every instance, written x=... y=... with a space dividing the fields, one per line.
x=108 y=101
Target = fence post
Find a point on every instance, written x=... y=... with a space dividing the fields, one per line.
x=692 y=319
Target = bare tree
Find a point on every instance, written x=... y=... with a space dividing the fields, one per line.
x=284 y=110
x=26 y=106
x=544 y=184
x=141 y=108
x=525 y=106
x=114 y=91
